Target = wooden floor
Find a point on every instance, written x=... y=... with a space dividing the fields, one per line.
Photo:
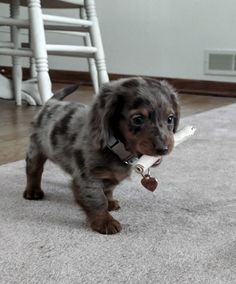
x=15 y=121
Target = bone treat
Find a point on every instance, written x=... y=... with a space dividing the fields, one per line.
x=145 y=162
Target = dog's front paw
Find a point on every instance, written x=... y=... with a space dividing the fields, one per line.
x=35 y=194
x=105 y=224
x=113 y=205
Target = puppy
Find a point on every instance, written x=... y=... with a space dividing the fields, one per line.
x=96 y=145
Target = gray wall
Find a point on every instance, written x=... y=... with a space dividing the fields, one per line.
x=159 y=38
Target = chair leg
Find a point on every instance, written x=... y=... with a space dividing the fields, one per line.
x=97 y=41
x=91 y=63
x=33 y=72
x=16 y=62
x=39 y=49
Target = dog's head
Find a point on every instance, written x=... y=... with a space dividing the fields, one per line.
x=142 y=113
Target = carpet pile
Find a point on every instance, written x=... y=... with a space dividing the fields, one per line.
x=184 y=232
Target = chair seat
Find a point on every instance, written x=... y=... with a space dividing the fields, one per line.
x=52 y=3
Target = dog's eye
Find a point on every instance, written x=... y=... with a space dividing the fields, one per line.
x=138 y=119
x=170 y=119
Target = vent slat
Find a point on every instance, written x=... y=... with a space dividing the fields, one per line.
x=220 y=62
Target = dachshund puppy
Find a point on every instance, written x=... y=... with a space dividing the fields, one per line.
x=95 y=145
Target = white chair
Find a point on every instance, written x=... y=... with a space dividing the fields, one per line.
x=86 y=26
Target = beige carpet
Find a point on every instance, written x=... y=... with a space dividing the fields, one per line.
x=184 y=232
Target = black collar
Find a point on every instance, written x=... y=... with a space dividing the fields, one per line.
x=118 y=148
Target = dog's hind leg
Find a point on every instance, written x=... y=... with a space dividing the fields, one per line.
x=34 y=168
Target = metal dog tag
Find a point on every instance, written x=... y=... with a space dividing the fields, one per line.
x=149 y=182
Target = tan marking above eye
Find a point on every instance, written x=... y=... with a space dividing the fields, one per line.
x=142 y=111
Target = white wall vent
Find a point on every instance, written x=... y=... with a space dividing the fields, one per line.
x=220 y=62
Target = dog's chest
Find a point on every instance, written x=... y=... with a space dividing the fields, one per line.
x=111 y=173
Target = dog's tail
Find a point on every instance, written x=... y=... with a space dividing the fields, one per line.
x=62 y=93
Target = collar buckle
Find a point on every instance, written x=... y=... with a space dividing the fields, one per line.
x=118 y=148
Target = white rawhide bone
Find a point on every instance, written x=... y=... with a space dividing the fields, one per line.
x=145 y=162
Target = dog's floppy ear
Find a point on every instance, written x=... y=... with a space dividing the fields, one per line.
x=103 y=114
x=176 y=107
x=173 y=97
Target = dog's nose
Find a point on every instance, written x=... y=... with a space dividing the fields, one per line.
x=163 y=151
